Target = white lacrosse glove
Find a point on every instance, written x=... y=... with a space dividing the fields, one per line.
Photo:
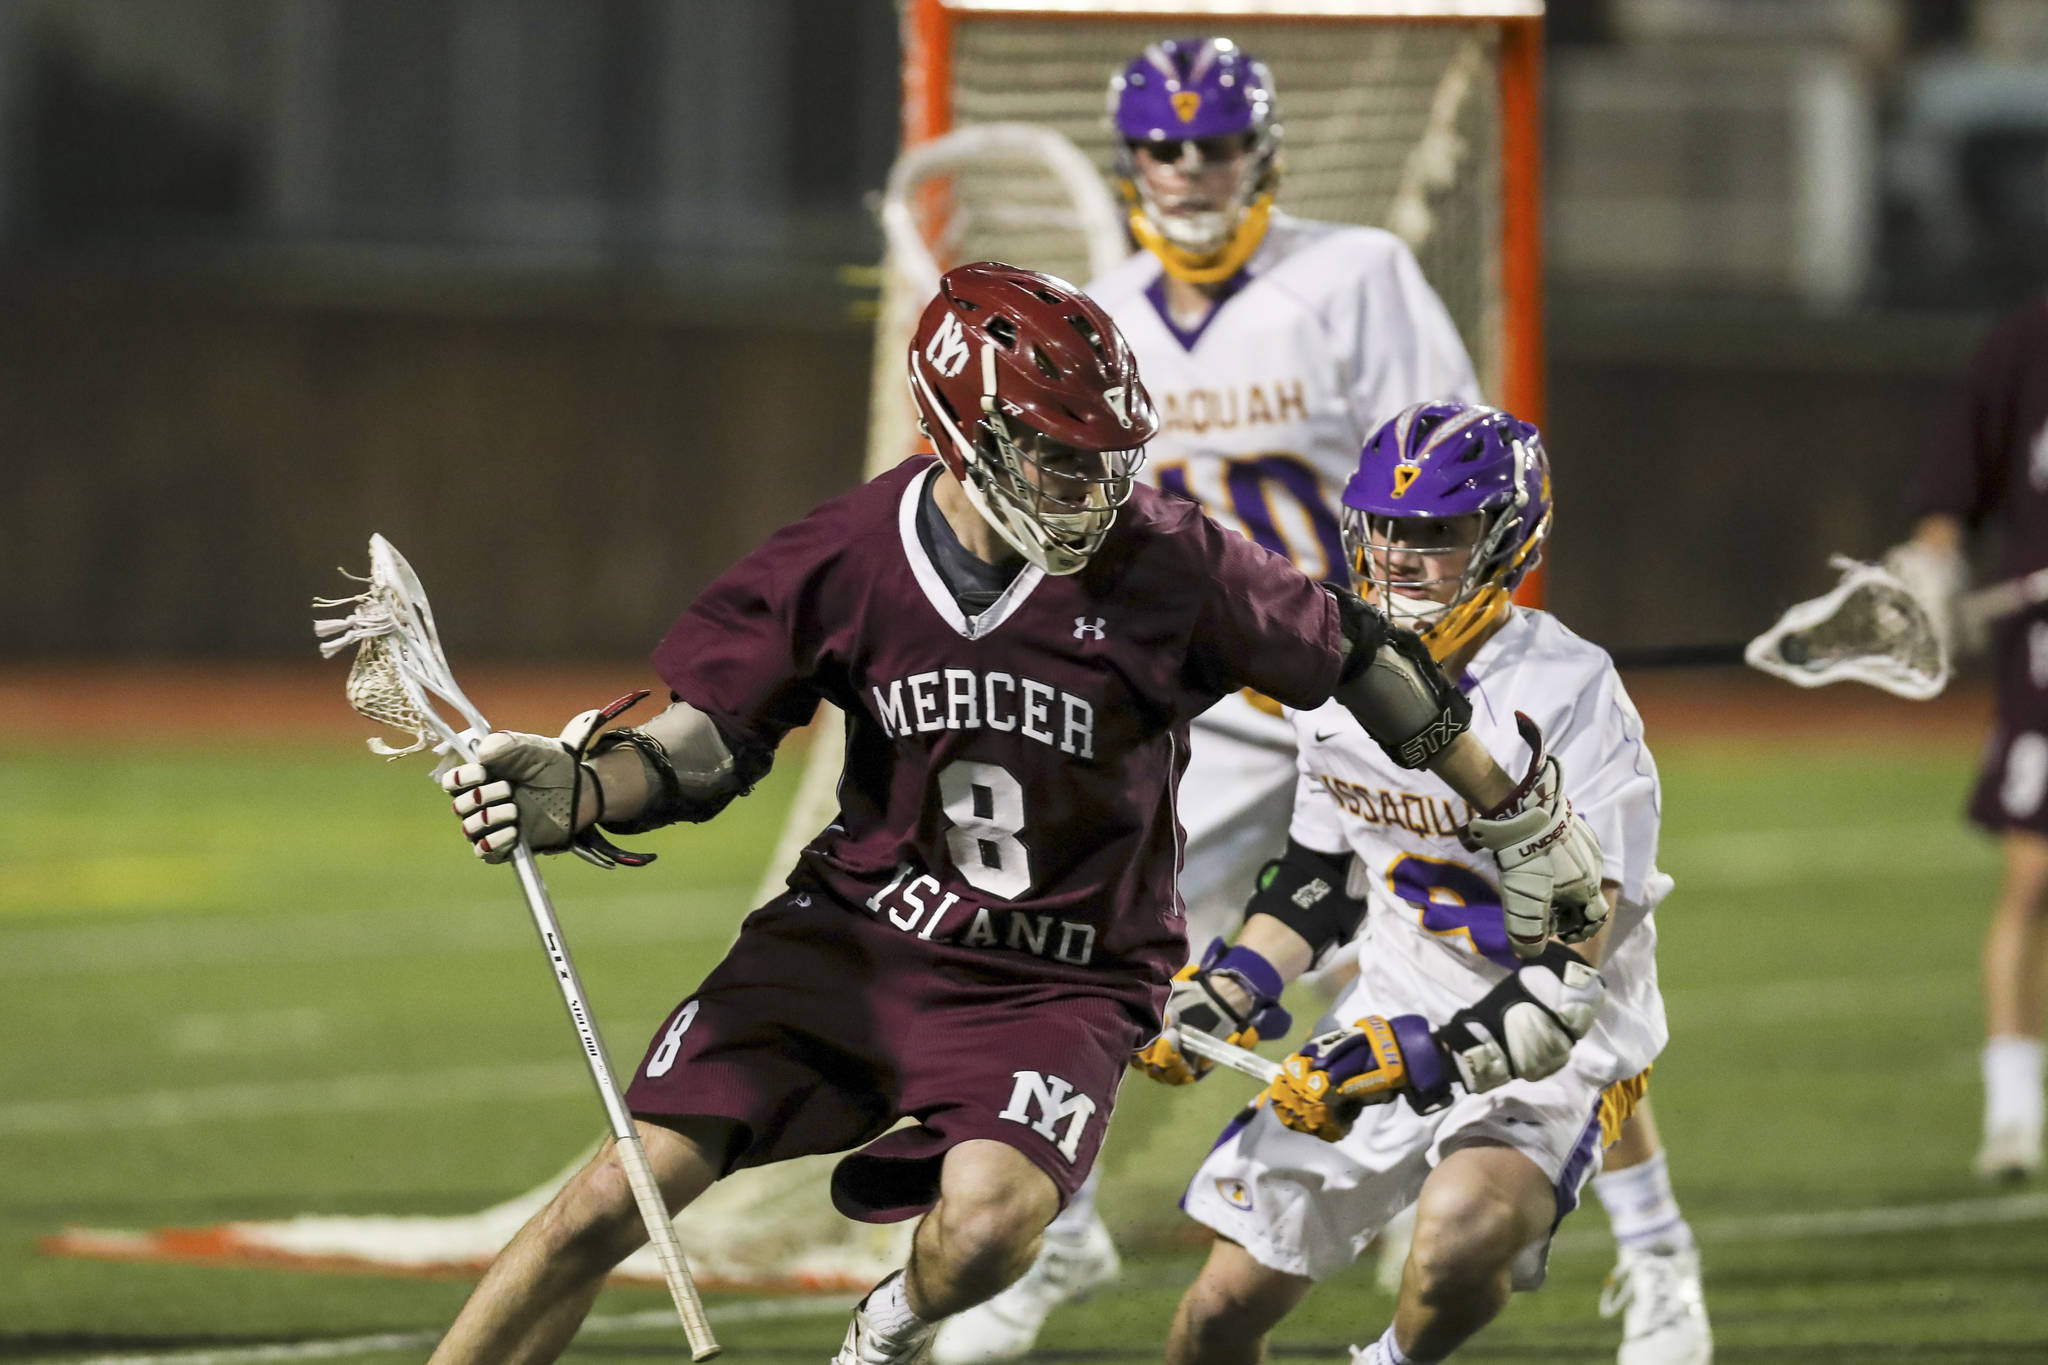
x=1523 y=1029
x=1549 y=858
x=1936 y=578
x=519 y=784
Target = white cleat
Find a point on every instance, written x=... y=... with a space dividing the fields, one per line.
x=1067 y=1269
x=1664 y=1313
x=867 y=1343
x=2011 y=1153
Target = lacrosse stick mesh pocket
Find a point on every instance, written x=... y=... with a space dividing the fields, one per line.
x=1868 y=628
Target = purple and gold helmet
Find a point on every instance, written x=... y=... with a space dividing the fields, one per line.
x=1183 y=92
x=1437 y=462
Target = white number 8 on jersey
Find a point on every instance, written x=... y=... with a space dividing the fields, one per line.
x=985 y=807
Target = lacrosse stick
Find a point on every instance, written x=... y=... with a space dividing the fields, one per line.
x=1869 y=627
x=399 y=678
x=1229 y=1055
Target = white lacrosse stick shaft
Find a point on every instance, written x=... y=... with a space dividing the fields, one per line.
x=1981 y=606
x=1229 y=1055
x=422 y=669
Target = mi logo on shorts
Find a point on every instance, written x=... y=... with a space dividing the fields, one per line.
x=1235 y=1192
x=1055 y=1103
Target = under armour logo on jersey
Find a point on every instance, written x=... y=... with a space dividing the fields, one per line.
x=1083 y=627
x=948 y=349
x=1118 y=399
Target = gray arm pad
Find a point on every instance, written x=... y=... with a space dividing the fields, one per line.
x=691 y=774
x=1402 y=698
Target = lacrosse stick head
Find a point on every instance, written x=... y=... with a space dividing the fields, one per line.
x=400 y=677
x=1869 y=628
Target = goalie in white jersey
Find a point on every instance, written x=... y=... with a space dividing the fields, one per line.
x=1274 y=345
x=1509 y=1070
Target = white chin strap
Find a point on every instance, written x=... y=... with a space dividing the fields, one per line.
x=1411 y=613
x=1199 y=232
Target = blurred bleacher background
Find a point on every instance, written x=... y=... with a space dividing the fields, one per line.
x=557 y=297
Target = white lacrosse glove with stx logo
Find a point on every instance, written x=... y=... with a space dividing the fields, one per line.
x=530 y=786
x=1548 y=857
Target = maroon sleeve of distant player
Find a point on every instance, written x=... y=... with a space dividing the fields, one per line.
x=741 y=652
x=1971 y=455
x=1264 y=624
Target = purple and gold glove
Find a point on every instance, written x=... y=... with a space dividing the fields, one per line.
x=1322 y=1088
x=1232 y=995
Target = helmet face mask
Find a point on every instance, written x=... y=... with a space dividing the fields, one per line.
x=1416 y=569
x=1032 y=399
x=1447 y=512
x=1194 y=191
x=1063 y=499
x=1180 y=107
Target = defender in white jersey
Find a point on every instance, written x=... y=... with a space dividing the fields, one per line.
x=1273 y=345
x=1449 y=506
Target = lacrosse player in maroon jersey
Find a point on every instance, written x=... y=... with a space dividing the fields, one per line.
x=1988 y=468
x=982 y=938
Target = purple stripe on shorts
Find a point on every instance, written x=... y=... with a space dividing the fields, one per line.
x=1575 y=1166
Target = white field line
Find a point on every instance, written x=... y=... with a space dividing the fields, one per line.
x=1798 y=1000
x=1832 y=1224
x=199 y=940
x=362 y=1094
x=1857 y=853
x=747 y=1310
x=1764 y=1228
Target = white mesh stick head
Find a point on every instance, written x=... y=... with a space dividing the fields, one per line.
x=399 y=671
x=1868 y=628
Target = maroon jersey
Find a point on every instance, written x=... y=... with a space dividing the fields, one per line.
x=1989 y=460
x=1008 y=794
x=1989 y=466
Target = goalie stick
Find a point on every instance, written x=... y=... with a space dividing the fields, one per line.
x=398 y=675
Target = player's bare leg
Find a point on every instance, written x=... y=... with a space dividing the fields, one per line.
x=1482 y=1204
x=2015 y=1003
x=1224 y=1317
x=1655 y=1284
x=983 y=1232
x=530 y=1302
x=978 y=1238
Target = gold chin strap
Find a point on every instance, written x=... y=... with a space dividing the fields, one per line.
x=1482 y=611
x=1216 y=266
x=1466 y=622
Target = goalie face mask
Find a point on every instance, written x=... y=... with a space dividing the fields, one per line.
x=1197 y=153
x=1446 y=513
x=1031 y=397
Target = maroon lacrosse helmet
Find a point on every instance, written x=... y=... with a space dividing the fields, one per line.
x=1031 y=397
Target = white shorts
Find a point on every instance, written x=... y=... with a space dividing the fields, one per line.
x=1307 y=1207
x=1235 y=802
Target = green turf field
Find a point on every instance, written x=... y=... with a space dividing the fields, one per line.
x=251 y=983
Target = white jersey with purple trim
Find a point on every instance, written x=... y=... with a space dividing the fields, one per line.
x=1329 y=330
x=1434 y=940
